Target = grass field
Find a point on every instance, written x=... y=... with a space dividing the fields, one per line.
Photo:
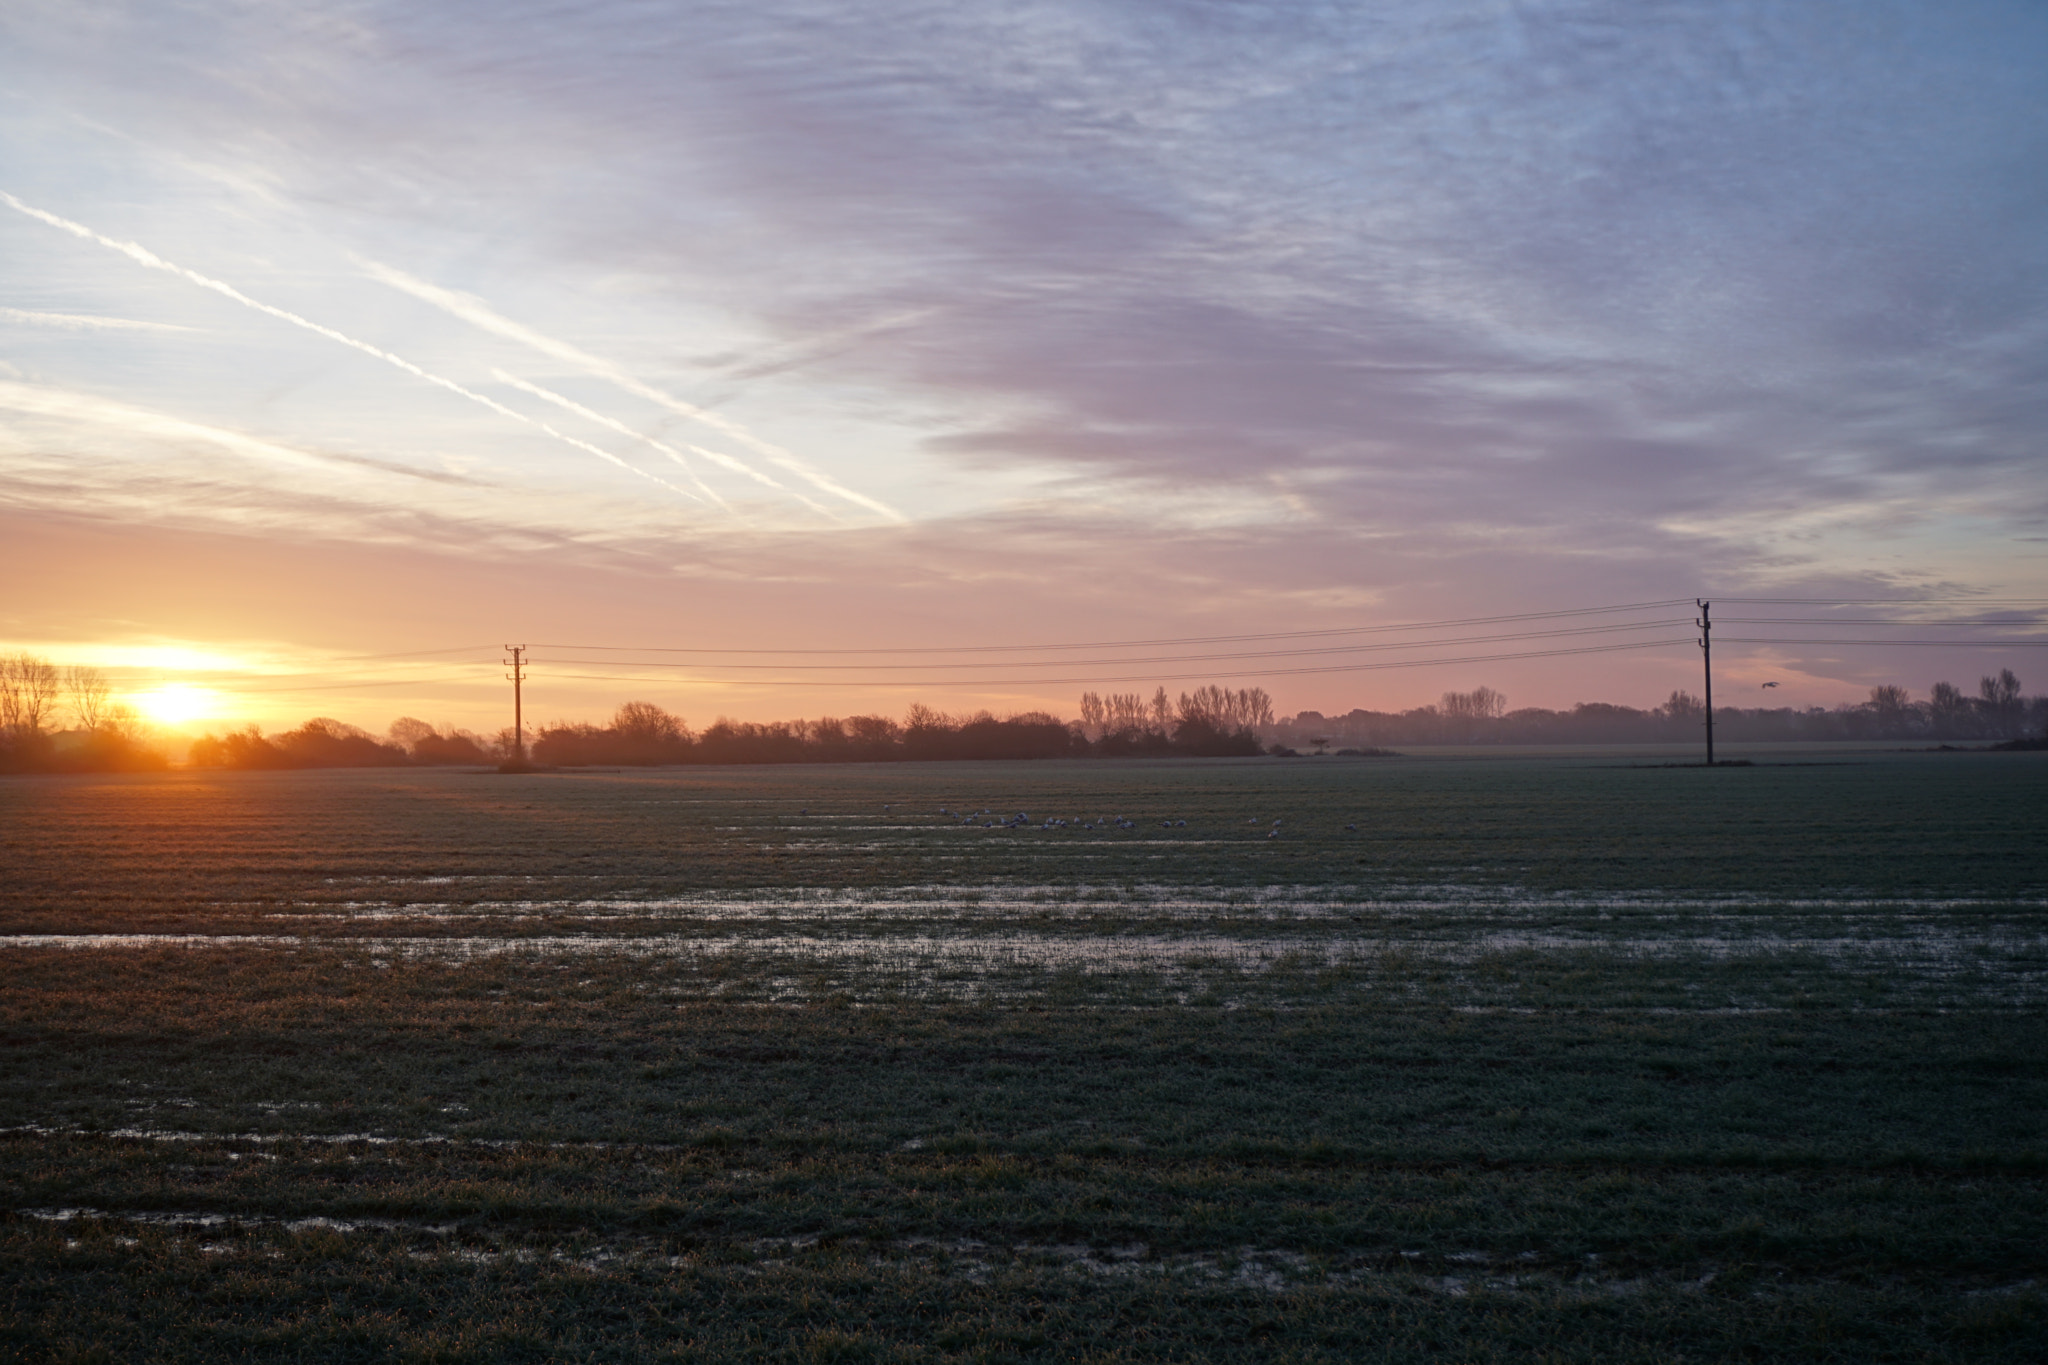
x=1549 y=1058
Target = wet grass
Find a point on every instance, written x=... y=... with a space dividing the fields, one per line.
x=1547 y=1060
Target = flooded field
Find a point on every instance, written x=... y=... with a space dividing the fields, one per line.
x=1560 y=1054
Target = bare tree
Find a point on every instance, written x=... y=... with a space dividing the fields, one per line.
x=1684 y=707
x=1123 y=711
x=871 y=729
x=407 y=732
x=646 y=723
x=28 y=689
x=1481 y=703
x=2000 y=699
x=1226 y=711
x=924 y=720
x=1162 y=711
x=88 y=689
x=123 y=723
x=1211 y=706
x=1255 y=708
x=1948 y=707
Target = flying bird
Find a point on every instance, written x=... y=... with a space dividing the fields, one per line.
x=1770 y=684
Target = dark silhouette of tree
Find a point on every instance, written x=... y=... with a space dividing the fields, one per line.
x=427 y=746
x=1999 y=699
x=28 y=691
x=1892 y=709
x=1468 y=715
x=644 y=734
x=1949 y=710
x=326 y=743
x=244 y=748
x=453 y=749
x=87 y=687
x=407 y=732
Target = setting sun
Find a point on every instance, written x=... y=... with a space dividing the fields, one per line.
x=177 y=703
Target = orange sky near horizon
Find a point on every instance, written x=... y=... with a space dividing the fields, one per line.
x=163 y=608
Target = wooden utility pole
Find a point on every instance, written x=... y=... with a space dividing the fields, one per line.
x=518 y=676
x=1706 y=625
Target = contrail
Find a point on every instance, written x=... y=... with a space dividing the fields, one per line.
x=75 y=407
x=481 y=315
x=79 y=322
x=84 y=408
x=588 y=415
x=716 y=457
x=143 y=256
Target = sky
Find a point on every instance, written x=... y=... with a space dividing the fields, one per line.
x=342 y=344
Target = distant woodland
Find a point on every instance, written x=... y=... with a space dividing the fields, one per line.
x=1997 y=712
x=36 y=696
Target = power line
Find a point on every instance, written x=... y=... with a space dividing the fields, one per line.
x=1868 y=621
x=416 y=653
x=1954 y=644
x=1209 y=675
x=340 y=686
x=1160 y=643
x=1159 y=659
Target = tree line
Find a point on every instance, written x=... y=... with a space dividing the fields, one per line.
x=1211 y=721
x=1208 y=722
x=1998 y=712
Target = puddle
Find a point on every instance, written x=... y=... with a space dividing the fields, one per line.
x=1925 y=946
x=1263 y=1270
x=210 y=1221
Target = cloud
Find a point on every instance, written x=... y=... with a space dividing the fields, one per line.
x=92 y=410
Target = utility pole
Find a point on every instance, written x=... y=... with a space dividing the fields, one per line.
x=1706 y=624
x=517 y=663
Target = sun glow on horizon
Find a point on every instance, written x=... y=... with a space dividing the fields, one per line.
x=178 y=703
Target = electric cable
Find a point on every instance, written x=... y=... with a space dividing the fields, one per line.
x=1146 y=644
x=1208 y=675
x=1156 y=659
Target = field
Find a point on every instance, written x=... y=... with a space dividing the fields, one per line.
x=1472 y=1059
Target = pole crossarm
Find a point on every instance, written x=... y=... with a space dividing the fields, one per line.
x=1705 y=622
x=517 y=677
